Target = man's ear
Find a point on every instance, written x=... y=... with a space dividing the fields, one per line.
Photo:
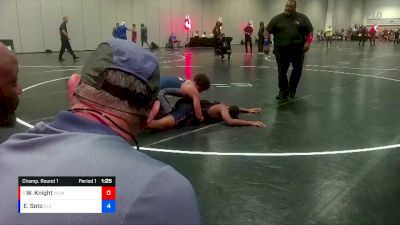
x=154 y=111
x=73 y=82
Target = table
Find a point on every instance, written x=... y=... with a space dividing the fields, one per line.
x=204 y=42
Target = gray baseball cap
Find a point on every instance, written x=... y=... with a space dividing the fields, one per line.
x=125 y=56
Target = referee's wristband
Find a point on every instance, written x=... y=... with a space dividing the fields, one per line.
x=309 y=39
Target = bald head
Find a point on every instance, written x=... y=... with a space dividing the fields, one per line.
x=9 y=88
x=8 y=63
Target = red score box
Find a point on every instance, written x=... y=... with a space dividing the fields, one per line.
x=108 y=192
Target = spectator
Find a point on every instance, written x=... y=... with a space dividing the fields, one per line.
x=362 y=34
x=224 y=47
x=216 y=34
x=115 y=31
x=372 y=34
x=9 y=88
x=112 y=100
x=143 y=35
x=328 y=35
x=261 y=37
x=134 y=33
x=173 y=41
x=65 y=41
x=122 y=31
x=248 y=32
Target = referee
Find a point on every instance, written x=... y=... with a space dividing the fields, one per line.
x=65 y=41
x=293 y=34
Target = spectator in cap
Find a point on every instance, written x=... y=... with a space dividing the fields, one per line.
x=110 y=102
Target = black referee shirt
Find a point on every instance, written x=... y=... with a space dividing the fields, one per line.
x=63 y=26
x=289 y=30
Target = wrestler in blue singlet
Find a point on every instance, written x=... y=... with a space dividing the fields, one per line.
x=170 y=82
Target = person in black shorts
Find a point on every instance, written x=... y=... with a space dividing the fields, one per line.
x=213 y=112
x=224 y=47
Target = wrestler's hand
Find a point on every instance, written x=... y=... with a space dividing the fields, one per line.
x=258 y=124
x=306 y=47
x=254 y=110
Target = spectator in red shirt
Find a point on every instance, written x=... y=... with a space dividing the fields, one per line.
x=248 y=31
x=134 y=33
x=372 y=35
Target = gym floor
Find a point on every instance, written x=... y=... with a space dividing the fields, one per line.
x=329 y=156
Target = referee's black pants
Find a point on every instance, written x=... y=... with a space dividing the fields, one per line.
x=66 y=45
x=286 y=55
x=216 y=44
x=247 y=39
x=260 y=43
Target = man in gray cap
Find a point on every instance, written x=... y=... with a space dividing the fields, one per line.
x=110 y=102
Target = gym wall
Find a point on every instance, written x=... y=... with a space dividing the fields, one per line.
x=33 y=24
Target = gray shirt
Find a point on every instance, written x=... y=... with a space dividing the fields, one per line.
x=148 y=191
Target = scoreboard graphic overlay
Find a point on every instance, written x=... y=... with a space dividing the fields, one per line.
x=66 y=195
